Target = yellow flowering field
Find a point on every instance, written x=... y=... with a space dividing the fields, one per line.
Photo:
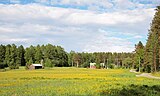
x=75 y=81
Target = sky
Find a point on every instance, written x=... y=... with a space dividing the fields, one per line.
x=79 y=25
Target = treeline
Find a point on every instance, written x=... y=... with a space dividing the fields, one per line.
x=148 y=56
x=12 y=56
x=111 y=60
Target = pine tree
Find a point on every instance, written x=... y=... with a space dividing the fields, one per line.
x=139 y=55
x=30 y=56
x=2 y=56
x=38 y=54
x=153 y=43
x=13 y=55
x=8 y=54
x=20 y=56
x=148 y=56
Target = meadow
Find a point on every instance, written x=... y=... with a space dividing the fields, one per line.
x=76 y=81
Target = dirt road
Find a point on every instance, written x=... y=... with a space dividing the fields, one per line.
x=147 y=75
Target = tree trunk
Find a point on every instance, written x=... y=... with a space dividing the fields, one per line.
x=154 y=62
x=77 y=64
x=139 y=64
x=107 y=64
x=72 y=63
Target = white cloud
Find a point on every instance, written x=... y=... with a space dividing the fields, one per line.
x=124 y=4
x=108 y=18
x=79 y=30
x=106 y=43
x=138 y=37
x=5 y=29
x=71 y=16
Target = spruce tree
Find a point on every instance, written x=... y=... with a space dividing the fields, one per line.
x=153 y=43
x=139 y=56
x=13 y=64
x=38 y=54
x=20 y=56
x=30 y=56
x=148 y=55
x=8 y=55
x=2 y=56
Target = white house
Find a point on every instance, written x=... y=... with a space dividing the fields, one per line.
x=93 y=65
x=102 y=65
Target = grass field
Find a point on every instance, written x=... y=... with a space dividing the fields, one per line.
x=156 y=74
x=76 y=81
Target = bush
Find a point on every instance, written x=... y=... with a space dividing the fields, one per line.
x=2 y=66
x=48 y=63
x=134 y=90
x=112 y=66
x=85 y=65
x=148 y=68
x=98 y=66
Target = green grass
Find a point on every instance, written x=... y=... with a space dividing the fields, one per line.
x=76 y=81
x=157 y=74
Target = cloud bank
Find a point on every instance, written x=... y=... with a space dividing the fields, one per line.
x=74 y=28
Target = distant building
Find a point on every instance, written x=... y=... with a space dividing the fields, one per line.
x=93 y=65
x=35 y=66
x=102 y=65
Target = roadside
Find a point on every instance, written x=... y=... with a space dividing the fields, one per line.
x=147 y=75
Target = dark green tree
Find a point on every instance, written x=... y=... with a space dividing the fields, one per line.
x=61 y=57
x=13 y=55
x=2 y=56
x=20 y=56
x=139 y=56
x=127 y=62
x=152 y=50
x=8 y=54
x=29 y=56
x=38 y=54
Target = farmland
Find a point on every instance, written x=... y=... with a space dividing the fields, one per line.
x=75 y=81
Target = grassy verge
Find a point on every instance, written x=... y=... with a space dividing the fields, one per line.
x=157 y=74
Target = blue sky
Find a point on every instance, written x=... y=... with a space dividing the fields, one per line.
x=79 y=25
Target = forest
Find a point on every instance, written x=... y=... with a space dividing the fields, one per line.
x=145 y=58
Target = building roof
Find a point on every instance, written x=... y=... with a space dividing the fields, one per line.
x=102 y=64
x=36 y=64
x=92 y=64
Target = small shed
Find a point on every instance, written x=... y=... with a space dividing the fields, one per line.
x=93 y=65
x=35 y=66
x=102 y=65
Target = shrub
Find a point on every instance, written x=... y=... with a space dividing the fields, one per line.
x=2 y=66
x=112 y=66
x=98 y=66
